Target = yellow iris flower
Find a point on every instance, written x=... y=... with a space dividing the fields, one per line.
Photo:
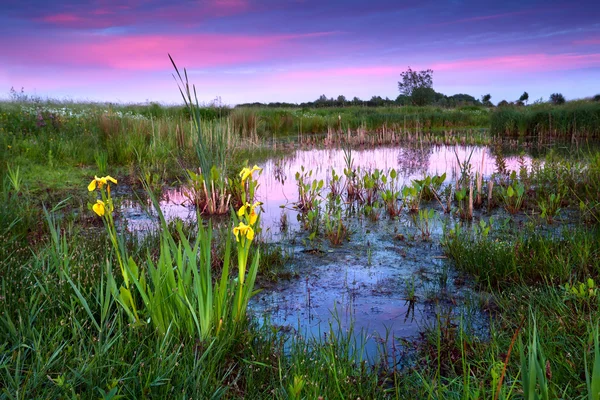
x=247 y=172
x=99 y=208
x=242 y=210
x=253 y=216
x=243 y=230
x=100 y=182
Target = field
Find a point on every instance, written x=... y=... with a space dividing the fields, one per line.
x=510 y=225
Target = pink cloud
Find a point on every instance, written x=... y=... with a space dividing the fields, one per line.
x=523 y=63
x=507 y=64
x=344 y=72
x=592 y=41
x=228 y=7
x=149 y=52
x=130 y=14
x=61 y=19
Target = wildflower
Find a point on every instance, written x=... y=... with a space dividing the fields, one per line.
x=99 y=208
x=246 y=173
x=243 y=230
x=100 y=182
x=253 y=216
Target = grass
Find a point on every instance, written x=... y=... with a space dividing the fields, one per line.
x=573 y=119
x=267 y=122
x=65 y=332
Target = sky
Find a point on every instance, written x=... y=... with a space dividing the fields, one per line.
x=296 y=50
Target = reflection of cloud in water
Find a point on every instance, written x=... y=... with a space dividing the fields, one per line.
x=365 y=280
x=278 y=188
x=278 y=184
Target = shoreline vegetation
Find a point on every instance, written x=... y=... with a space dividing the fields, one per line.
x=88 y=311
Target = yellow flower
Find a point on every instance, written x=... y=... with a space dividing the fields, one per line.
x=253 y=216
x=247 y=172
x=243 y=230
x=100 y=182
x=99 y=208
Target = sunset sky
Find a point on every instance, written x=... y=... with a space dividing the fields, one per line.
x=296 y=50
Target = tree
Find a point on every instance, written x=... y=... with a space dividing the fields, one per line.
x=412 y=80
x=597 y=97
x=485 y=99
x=523 y=99
x=402 y=100
x=422 y=96
x=503 y=103
x=557 y=98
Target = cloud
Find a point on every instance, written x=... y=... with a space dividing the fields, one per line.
x=149 y=52
x=483 y=18
x=507 y=64
x=588 y=41
x=62 y=19
x=536 y=62
x=105 y=14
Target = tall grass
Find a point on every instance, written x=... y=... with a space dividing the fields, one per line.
x=262 y=122
x=211 y=144
x=573 y=119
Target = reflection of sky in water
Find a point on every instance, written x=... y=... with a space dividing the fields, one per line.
x=364 y=281
x=278 y=184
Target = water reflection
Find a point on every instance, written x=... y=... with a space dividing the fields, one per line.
x=278 y=190
x=363 y=283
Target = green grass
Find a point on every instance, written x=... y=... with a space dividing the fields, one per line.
x=266 y=122
x=573 y=119
x=64 y=334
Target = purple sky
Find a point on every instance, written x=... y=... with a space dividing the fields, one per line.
x=296 y=50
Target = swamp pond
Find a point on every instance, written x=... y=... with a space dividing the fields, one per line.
x=388 y=281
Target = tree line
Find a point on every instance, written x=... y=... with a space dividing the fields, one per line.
x=416 y=88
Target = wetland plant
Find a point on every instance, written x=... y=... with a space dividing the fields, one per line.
x=308 y=191
x=512 y=196
x=175 y=291
x=373 y=212
x=391 y=194
x=15 y=178
x=336 y=186
x=101 y=159
x=412 y=196
x=424 y=220
x=431 y=186
x=335 y=229
x=211 y=199
x=550 y=207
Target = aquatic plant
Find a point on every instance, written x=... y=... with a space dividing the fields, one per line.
x=431 y=186
x=412 y=196
x=512 y=197
x=574 y=119
x=424 y=220
x=535 y=369
x=175 y=291
x=213 y=198
x=550 y=207
x=308 y=191
x=335 y=228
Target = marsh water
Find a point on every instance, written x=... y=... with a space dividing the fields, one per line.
x=386 y=282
